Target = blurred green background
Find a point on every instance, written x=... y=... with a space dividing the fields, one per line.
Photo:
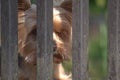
x=97 y=40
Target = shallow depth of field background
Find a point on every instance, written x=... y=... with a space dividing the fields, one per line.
x=97 y=40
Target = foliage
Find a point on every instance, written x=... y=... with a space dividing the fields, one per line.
x=33 y=1
x=98 y=55
x=98 y=7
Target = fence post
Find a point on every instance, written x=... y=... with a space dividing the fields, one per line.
x=113 y=40
x=44 y=39
x=0 y=40
x=80 y=39
x=9 y=56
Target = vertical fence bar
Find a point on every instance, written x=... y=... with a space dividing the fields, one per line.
x=0 y=39
x=113 y=40
x=80 y=39
x=44 y=40
x=9 y=58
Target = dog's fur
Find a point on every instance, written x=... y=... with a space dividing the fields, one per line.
x=62 y=27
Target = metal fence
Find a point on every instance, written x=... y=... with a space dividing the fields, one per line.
x=9 y=42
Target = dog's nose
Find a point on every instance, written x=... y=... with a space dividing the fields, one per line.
x=54 y=45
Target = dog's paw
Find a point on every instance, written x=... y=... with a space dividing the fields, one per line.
x=31 y=58
x=64 y=77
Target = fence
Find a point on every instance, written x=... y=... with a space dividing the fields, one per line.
x=9 y=60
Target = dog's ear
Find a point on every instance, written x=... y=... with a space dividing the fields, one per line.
x=62 y=19
x=30 y=19
x=24 y=4
x=67 y=5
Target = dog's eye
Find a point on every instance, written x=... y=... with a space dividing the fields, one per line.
x=64 y=35
x=34 y=32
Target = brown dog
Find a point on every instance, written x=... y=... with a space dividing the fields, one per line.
x=62 y=27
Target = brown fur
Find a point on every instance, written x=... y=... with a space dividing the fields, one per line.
x=62 y=27
x=67 y=5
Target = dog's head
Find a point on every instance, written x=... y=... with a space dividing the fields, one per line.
x=62 y=28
